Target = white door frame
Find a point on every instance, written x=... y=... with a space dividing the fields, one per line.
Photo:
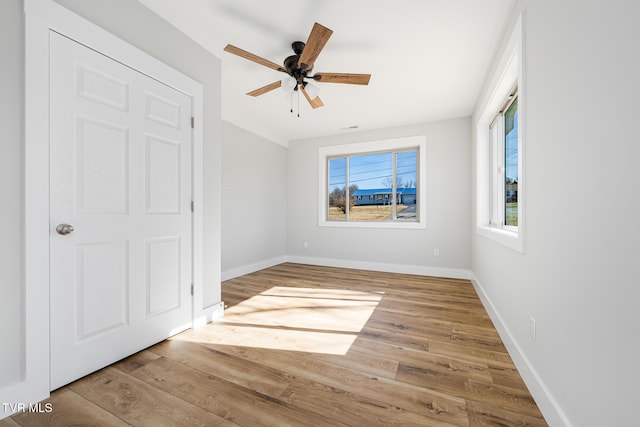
x=43 y=16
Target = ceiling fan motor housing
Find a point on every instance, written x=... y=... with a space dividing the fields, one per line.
x=291 y=63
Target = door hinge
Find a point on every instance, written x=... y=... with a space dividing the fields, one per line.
x=192 y=289
x=192 y=206
x=193 y=122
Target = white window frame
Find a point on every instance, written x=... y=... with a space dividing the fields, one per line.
x=507 y=76
x=397 y=144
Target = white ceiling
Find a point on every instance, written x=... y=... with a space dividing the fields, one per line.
x=427 y=58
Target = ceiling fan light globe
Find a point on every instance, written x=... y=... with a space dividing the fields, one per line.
x=288 y=84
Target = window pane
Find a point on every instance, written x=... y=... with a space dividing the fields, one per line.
x=511 y=164
x=337 y=189
x=370 y=179
x=373 y=187
x=406 y=178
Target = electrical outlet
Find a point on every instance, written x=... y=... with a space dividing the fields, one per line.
x=436 y=252
x=532 y=324
x=305 y=245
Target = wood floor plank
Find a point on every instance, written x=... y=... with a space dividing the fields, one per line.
x=403 y=319
x=419 y=330
x=253 y=376
x=370 y=363
x=353 y=409
x=482 y=414
x=395 y=337
x=238 y=404
x=306 y=345
x=508 y=377
x=479 y=355
x=439 y=406
x=482 y=331
x=517 y=400
x=136 y=361
x=141 y=404
x=412 y=357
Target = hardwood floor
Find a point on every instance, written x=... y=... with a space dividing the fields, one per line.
x=303 y=345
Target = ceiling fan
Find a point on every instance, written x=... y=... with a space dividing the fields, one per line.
x=299 y=66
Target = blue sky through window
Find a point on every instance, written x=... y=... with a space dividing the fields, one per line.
x=511 y=142
x=373 y=170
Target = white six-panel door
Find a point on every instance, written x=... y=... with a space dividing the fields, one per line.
x=120 y=176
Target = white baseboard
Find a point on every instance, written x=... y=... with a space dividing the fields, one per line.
x=250 y=268
x=551 y=410
x=451 y=273
x=209 y=314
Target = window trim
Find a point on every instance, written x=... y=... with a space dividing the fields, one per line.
x=395 y=144
x=508 y=74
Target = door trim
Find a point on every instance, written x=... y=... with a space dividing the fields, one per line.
x=41 y=17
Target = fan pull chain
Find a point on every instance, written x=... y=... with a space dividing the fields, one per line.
x=298 y=104
x=291 y=101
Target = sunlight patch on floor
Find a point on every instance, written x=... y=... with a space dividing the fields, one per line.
x=316 y=320
x=270 y=338
x=305 y=308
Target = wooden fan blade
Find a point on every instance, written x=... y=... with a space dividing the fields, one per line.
x=265 y=89
x=352 y=79
x=315 y=102
x=317 y=39
x=251 y=57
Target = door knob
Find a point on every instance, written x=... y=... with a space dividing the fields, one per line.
x=64 y=229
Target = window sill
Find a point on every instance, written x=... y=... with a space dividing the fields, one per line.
x=364 y=224
x=508 y=238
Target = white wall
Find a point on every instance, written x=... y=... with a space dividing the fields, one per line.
x=448 y=208
x=11 y=192
x=137 y=25
x=254 y=202
x=578 y=276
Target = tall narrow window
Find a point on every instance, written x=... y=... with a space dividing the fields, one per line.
x=505 y=165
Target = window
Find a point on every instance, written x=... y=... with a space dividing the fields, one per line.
x=376 y=184
x=504 y=165
x=499 y=148
x=390 y=177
